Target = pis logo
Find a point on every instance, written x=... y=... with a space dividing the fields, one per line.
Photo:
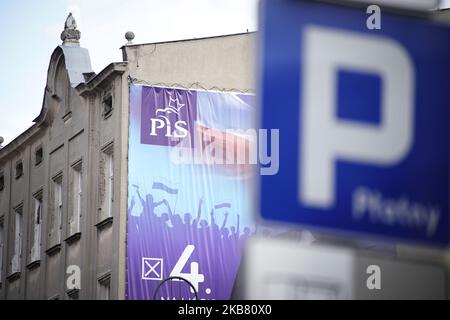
x=163 y=123
x=167 y=115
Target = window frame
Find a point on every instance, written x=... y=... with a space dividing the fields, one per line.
x=17 y=250
x=2 y=246
x=2 y=180
x=107 y=104
x=106 y=183
x=38 y=161
x=18 y=174
x=104 y=289
x=57 y=210
x=110 y=161
x=76 y=198
x=59 y=206
x=36 y=226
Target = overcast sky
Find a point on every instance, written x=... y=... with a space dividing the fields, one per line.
x=30 y=31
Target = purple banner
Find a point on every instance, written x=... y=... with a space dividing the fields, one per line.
x=187 y=221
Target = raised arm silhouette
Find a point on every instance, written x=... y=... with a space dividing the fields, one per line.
x=199 y=212
x=224 y=221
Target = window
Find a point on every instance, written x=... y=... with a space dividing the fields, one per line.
x=19 y=169
x=2 y=244
x=76 y=197
x=38 y=156
x=56 y=214
x=17 y=240
x=58 y=207
x=110 y=172
x=106 y=291
x=106 y=184
x=107 y=105
x=104 y=287
x=2 y=181
x=35 y=228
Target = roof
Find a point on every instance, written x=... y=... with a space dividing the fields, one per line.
x=77 y=61
x=191 y=39
x=96 y=79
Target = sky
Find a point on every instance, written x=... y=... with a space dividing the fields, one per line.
x=30 y=31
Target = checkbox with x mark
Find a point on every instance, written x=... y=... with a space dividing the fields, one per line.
x=152 y=269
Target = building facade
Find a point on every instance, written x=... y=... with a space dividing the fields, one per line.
x=63 y=182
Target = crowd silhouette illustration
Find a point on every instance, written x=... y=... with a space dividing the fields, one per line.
x=217 y=251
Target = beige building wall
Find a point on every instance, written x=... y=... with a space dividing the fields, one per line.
x=225 y=62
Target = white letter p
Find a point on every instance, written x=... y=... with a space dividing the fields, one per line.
x=324 y=138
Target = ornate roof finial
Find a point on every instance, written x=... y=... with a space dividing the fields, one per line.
x=70 y=35
x=129 y=36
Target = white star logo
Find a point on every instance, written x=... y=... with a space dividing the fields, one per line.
x=171 y=108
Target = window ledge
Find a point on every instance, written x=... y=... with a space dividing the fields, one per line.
x=107 y=114
x=33 y=264
x=13 y=276
x=54 y=249
x=67 y=116
x=73 y=238
x=104 y=277
x=73 y=291
x=103 y=223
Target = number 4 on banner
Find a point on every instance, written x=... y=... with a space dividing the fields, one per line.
x=193 y=277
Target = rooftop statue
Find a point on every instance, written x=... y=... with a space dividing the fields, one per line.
x=70 y=22
x=70 y=34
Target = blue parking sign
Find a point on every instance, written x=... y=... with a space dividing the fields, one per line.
x=363 y=118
